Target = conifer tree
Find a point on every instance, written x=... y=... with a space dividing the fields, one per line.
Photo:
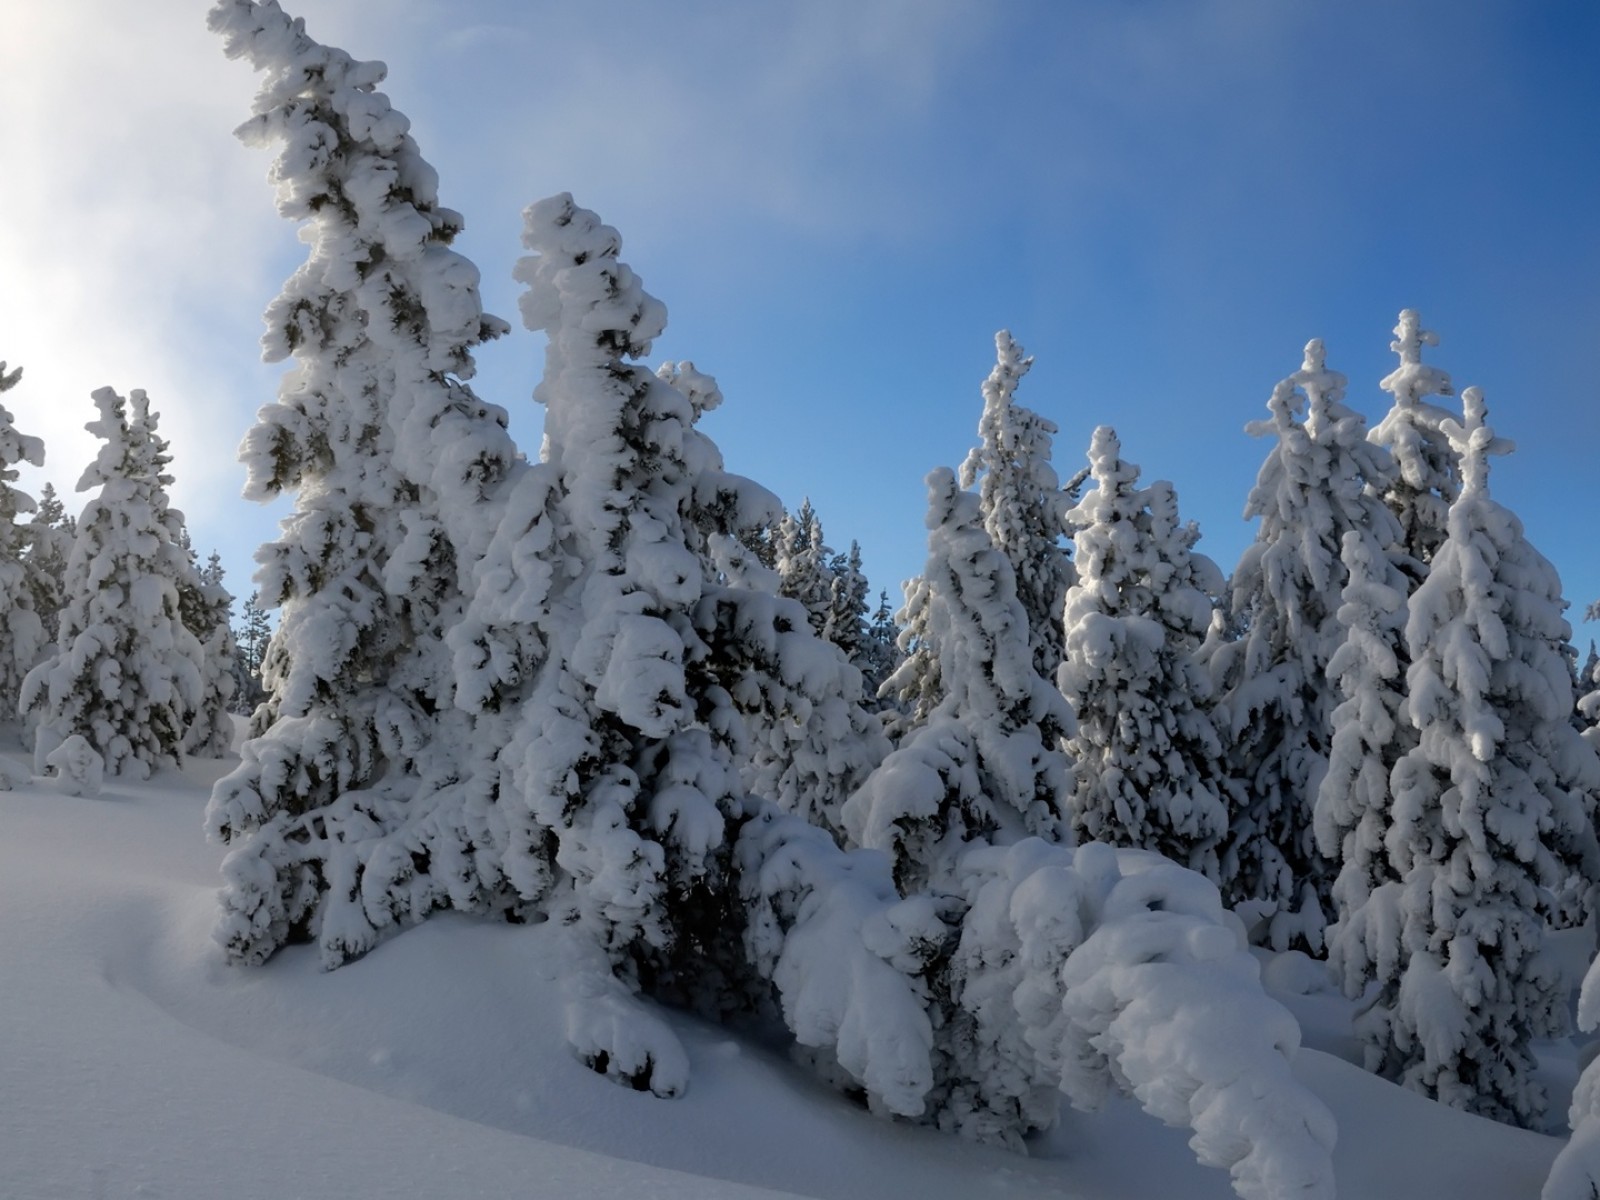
x=251 y=638
x=983 y=762
x=126 y=674
x=49 y=537
x=21 y=631
x=880 y=653
x=1489 y=808
x=1427 y=475
x=1319 y=481
x=389 y=456
x=1022 y=500
x=1147 y=755
x=802 y=560
x=846 y=624
x=206 y=607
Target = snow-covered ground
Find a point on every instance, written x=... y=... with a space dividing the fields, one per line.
x=133 y=1063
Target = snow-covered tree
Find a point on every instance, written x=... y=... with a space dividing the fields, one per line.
x=880 y=652
x=125 y=674
x=847 y=623
x=984 y=763
x=1427 y=476
x=206 y=607
x=389 y=457
x=1320 y=480
x=803 y=563
x=49 y=535
x=1022 y=500
x=1488 y=809
x=1147 y=755
x=250 y=640
x=21 y=630
x=1354 y=809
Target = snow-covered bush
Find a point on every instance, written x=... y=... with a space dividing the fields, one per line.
x=1146 y=752
x=1049 y=971
x=1490 y=809
x=1319 y=481
x=125 y=673
x=75 y=768
x=21 y=628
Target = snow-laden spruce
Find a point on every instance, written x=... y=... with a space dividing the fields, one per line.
x=389 y=457
x=49 y=535
x=1022 y=500
x=1354 y=809
x=125 y=673
x=1490 y=810
x=832 y=587
x=1319 y=481
x=1044 y=971
x=1427 y=475
x=1146 y=753
x=21 y=629
x=206 y=608
x=983 y=759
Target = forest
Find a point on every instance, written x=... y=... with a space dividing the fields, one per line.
x=1025 y=838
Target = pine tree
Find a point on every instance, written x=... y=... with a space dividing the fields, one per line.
x=1427 y=476
x=21 y=631
x=49 y=538
x=1022 y=500
x=846 y=624
x=206 y=607
x=251 y=638
x=984 y=762
x=1318 y=482
x=126 y=674
x=1489 y=807
x=1354 y=810
x=1147 y=755
x=390 y=458
x=802 y=561
x=880 y=653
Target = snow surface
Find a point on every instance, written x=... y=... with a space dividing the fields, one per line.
x=134 y=1063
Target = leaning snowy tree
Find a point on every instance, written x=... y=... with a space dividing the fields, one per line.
x=1489 y=809
x=125 y=673
x=388 y=455
x=21 y=630
x=1319 y=481
x=1146 y=752
x=1022 y=500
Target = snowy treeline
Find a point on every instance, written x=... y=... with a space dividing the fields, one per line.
x=1010 y=843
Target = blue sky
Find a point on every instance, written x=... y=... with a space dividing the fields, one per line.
x=840 y=203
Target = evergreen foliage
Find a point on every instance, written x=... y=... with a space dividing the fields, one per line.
x=125 y=675
x=21 y=629
x=1022 y=500
x=1490 y=809
x=49 y=536
x=1319 y=481
x=1146 y=752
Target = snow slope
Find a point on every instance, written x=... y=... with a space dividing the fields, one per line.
x=133 y=1063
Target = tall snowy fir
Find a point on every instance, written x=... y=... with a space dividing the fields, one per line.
x=802 y=561
x=1491 y=808
x=125 y=675
x=984 y=762
x=250 y=642
x=1320 y=480
x=21 y=630
x=388 y=455
x=1022 y=500
x=1427 y=475
x=1146 y=752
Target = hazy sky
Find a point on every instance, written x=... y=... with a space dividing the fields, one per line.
x=840 y=202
